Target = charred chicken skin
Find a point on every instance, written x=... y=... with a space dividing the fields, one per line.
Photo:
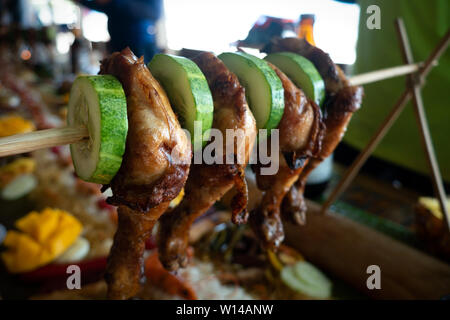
x=148 y=178
x=300 y=131
x=341 y=101
x=207 y=183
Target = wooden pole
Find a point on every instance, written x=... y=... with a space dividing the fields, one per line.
x=422 y=122
x=26 y=142
x=354 y=168
x=345 y=248
x=44 y=139
x=383 y=74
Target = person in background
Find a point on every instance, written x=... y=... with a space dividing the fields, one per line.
x=10 y=12
x=131 y=23
x=426 y=23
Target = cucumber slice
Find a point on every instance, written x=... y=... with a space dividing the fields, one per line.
x=264 y=90
x=306 y=279
x=188 y=92
x=302 y=72
x=19 y=187
x=99 y=103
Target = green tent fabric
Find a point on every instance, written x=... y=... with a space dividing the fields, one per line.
x=426 y=23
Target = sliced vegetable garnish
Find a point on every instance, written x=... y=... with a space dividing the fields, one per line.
x=302 y=72
x=306 y=279
x=188 y=92
x=17 y=167
x=288 y=255
x=276 y=263
x=39 y=239
x=264 y=90
x=76 y=252
x=177 y=200
x=99 y=103
x=19 y=187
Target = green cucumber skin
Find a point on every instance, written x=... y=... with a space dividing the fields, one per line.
x=275 y=84
x=112 y=105
x=199 y=88
x=317 y=93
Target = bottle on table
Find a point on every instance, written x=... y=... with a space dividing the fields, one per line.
x=306 y=28
x=319 y=178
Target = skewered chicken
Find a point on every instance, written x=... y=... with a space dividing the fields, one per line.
x=147 y=179
x=341 y=101
x=208 y=183
x=300 y=131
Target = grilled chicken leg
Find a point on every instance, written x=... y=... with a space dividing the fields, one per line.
x=207 y=183
x=300 y=131
x=340 y=109
x=340 y=103
x=148 y=179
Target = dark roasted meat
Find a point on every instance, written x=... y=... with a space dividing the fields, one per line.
x=340 y=103
x=300 y=132
x=207 y=183
x=147 y=176
x=148 y=179
x=125 y=262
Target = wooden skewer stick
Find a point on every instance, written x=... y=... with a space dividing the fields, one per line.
x=55 y=137
x=384 y=74
x=26 y=142
x=353 y=170
x=422 y=122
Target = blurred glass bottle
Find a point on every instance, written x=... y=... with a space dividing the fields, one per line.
x=319 y=178
x=306 y=28
x=80 y=52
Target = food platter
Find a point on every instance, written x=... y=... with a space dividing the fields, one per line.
x=138 y=194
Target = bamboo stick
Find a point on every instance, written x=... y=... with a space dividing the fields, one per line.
x=354 y=168
x=26 y=142
x=422 y=122
x=383 y=74
x=46 y=138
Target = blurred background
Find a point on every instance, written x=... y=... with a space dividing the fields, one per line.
x=57 y=39
x=176 y=24
x=44 y=44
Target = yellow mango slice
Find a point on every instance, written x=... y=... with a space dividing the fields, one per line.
x=42 y=238
x=10 y=125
